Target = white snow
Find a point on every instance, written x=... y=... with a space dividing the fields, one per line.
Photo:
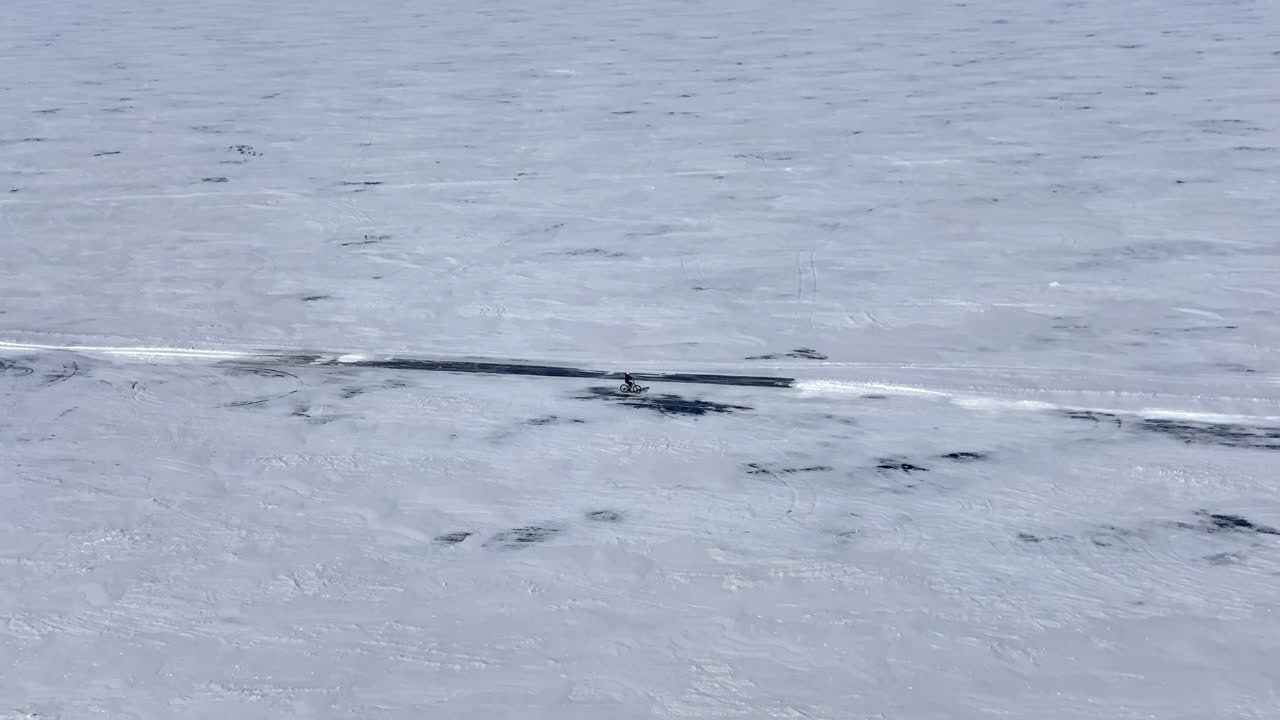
x=1019 y=257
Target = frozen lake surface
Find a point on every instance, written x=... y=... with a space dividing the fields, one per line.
x=960 y=321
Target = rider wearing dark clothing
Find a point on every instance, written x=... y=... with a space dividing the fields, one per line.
x=628 y=380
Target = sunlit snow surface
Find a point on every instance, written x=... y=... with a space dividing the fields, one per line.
x=1018 y=259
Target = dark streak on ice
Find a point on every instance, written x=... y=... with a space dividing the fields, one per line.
x=522 y=536
x=561 y=371
x=1091 y=415
x=1029 y=538
x=259 y=401
x=1228 y=435
x=261 y=372
x=758 y=469
x=906 y=467
x=965 y=456
x=1195 y=433
x=799 y=353
x=368 y=240
x=452 y=538
x=605 y=516
x=549 y=419
x=592 y=251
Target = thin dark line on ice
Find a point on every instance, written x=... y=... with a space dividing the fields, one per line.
x=485 y=367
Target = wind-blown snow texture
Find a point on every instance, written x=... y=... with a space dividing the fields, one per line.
x=1014 y=265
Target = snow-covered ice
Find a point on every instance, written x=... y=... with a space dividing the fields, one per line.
x=960 y=321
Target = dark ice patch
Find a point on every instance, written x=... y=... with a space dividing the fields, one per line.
x=663 y=404
x=1221 y=522
x=604 y=516
x=900 y=465
x=1223 y=434
x=105 y=153
x=452 y=538
x=245 y=150
x=313 y=298
x=965 y=456
x=875 y=397
x=522 y=536
x=218 y=179
x=798 y=353
x=350 y=392
x=596 y=252
x=361 y=183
